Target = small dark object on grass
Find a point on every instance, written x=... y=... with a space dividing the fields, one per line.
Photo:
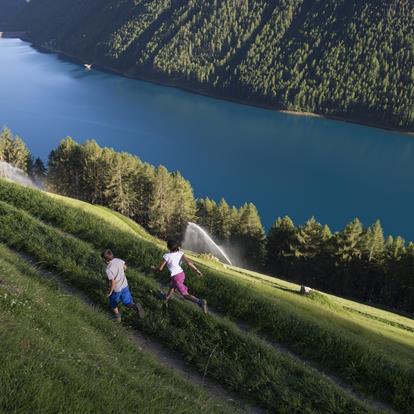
x=304 y=290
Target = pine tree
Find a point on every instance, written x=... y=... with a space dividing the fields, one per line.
x=394 y=248
x=13 y=150
x=162 y=206
x=65 y=168
x=93 y=172
x=143 y=183
x=206 y=211
x=222 y=221
x=311 y=239
x=348 y=243
x=119 y=189
x=281 y=244
x=183 y=205
x=234 y=219
x=251 y=236
x=373 y=243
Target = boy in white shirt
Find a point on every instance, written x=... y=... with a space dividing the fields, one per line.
x=173 y=260
x=119 y=290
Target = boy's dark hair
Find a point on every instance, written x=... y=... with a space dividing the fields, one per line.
x=107 y=255
x=173 y=246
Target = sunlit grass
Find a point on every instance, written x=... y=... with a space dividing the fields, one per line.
x=211 y=344
x=368 y=348
x=59 y=355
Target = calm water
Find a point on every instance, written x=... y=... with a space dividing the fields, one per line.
x=284 y=164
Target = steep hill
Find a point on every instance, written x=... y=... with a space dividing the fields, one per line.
x=288 y=353
x=60 y=355
x=341 y=58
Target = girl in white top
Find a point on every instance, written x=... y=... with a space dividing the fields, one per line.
x=173 y=260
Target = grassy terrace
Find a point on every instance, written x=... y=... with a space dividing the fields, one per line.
x=368 y=349
x=60 y=355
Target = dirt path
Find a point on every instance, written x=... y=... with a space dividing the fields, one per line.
x=158 y=351
x=313 y=367
x=369 y=402
x=174 y=361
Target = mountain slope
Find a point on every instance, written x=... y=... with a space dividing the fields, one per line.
x=59 y=355
x=368 y=350
x=336 y=58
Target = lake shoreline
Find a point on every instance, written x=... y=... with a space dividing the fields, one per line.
x=185 y=86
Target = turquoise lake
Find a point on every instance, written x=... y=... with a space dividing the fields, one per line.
x=285 y=164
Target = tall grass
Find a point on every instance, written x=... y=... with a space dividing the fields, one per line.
x=365 y=367
x=239 y=361
x=61 y=356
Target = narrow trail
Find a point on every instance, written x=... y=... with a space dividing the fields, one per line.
x=339 y=383
x=172 y=360
x=153 y=347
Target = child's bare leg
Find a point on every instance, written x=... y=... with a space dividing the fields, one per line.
x=169 y=294
x=117 y=314
x=200 y=302
x=191 y=298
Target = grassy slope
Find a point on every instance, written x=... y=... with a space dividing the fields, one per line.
x=60 y=355
x=380 y=330
x=384 y=340
x=213 y=345
x=389 y=331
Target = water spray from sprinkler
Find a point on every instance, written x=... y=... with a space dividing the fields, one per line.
x=197 y=239
x=17 y=175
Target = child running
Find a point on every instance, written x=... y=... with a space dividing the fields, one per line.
x=173 y=261
x=119 y=290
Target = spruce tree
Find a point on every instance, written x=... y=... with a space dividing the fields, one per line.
x=251 y=236
x=373 y=243
x=184 y=207
x=222 y=221
x=119 y=189
x=65 y=168
x=162 y=203
x=143 y=183
x=281 y=244
x=93 y=172
x=13 y=150
x=348 y=243
x=394 y=247
x=311 y=239
x=234 y=219
x=206 y=211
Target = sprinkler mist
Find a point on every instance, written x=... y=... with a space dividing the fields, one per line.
x=198 y=240
x=17 y=175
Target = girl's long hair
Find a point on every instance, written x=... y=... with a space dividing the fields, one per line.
x=173 y=246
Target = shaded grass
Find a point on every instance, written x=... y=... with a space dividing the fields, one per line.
x=61 y=356
x=312 y=327
x=240 y=362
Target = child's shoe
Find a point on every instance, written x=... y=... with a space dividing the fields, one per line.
x=140 y=310
x=118 y=318
x=203 y=305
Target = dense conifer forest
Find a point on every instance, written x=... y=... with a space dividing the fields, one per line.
x=356 y=262
x=350 y=59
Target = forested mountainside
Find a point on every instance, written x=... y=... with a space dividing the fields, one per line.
x=340 y=58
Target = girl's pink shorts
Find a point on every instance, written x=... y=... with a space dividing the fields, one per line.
x=177 y=282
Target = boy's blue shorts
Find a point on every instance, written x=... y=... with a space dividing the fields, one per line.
x=123 y=296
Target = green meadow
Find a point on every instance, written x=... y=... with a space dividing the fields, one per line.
x=286 y=352
x=60 y=355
